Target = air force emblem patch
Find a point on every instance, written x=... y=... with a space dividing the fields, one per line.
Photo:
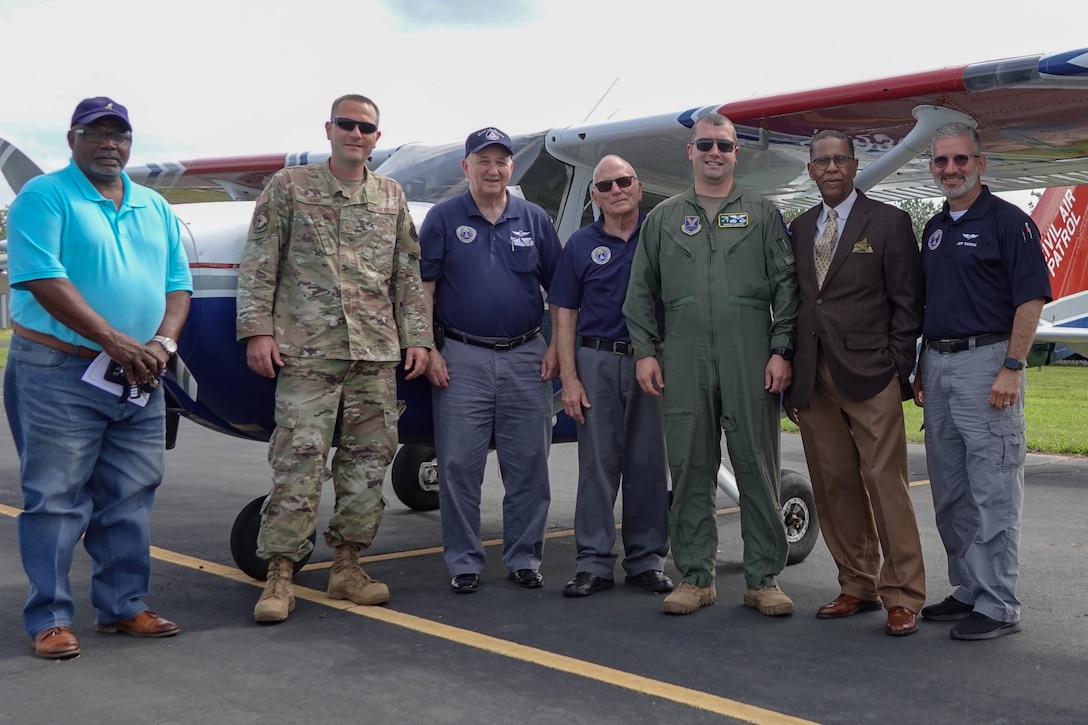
x=692 y=225
x=731 y=221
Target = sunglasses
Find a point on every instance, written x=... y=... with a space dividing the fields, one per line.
x=350 y=124
x=606 y=186
x=959 y=160
x=92 y=136
x=724 y=145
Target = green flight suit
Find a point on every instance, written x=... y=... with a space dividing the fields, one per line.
x=729 y=289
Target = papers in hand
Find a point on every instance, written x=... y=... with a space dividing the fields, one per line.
x=96 y=375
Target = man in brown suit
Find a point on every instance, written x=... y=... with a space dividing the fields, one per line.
x=860 y=279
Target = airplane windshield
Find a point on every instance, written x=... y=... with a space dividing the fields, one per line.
x=433 y=173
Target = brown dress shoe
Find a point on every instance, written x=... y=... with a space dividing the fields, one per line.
x=144 y=624
x=846 y=605
x=56 y=643
x=901 y=622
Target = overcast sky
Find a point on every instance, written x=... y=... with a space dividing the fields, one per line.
x=228 y=77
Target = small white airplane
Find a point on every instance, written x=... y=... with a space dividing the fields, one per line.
x=1031 y=114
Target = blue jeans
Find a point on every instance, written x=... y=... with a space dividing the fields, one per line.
x=89 y=466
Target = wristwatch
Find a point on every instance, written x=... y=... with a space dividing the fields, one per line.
x=783 y=352
x=168 y=343
x=1013 y=364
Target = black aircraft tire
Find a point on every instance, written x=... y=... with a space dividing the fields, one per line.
x=407 y=477
x=799 y=516
x=243 y=541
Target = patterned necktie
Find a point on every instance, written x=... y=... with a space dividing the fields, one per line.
x=824 y=245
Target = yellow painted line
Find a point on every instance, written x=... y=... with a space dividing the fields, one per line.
x=504 y=648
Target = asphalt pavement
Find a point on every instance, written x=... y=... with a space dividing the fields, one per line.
x=508 y=655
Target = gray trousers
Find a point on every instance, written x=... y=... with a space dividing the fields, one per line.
x=621 y=443
x=975 y=455
x=496 y=394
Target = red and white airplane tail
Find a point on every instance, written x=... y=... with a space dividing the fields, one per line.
x=1060 y=215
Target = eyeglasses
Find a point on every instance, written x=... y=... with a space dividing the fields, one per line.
x=724 y=145
x=959 y=160
x=350 y=124
x=822 y=162
x=606 y=186
x=121 y=138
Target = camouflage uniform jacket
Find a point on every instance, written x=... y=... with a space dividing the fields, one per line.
x=330 y=275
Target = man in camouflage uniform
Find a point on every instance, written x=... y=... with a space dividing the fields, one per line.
x=328 y=293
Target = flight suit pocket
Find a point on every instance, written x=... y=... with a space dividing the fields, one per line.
x=1013 y=441
x=679 y=434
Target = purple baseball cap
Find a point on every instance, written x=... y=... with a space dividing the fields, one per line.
x=479 y=140
x=90 y=110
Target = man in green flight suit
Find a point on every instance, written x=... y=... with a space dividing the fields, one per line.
x=720 y=259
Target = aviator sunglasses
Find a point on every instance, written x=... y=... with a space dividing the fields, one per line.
x=724 y=145
x=606 y=186
x=959 y=160
x=350 y=124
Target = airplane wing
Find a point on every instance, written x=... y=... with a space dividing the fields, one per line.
x=1031 y=114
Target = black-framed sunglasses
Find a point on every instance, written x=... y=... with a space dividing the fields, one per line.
x=724 y=145
x=959 y=160
x=350 y=124
x=623 y=182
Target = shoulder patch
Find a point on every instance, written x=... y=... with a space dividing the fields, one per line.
x=260 y=219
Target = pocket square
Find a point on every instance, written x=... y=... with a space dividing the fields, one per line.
x=862 y=247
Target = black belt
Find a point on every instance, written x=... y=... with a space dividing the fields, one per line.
x=965 y=343
x=492 y=343
x=617 y=346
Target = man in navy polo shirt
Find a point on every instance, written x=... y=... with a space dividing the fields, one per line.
x=486 y=254
x=621 y=435
x=986 y=284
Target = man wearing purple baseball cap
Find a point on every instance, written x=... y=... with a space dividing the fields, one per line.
x=485 y=255
x=98 y=274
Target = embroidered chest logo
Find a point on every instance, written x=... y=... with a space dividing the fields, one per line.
x=521 y=239
x=731 y=221
x=466 y=234
x=934 y=240
x=601 y=255
x=692 y=225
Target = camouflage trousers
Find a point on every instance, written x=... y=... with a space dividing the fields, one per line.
x=311 y=396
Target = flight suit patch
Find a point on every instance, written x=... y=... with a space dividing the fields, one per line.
x=692 y=225
x=732 y=221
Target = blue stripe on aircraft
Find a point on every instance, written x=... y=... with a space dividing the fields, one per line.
x=1071 y=63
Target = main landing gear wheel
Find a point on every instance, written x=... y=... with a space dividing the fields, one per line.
x=243 y=541
x=415 y=477
x=799 y=515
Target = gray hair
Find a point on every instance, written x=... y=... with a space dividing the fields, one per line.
x=957 y=129
x=830 y=133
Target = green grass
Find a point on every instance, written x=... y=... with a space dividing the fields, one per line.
x=1056 y=410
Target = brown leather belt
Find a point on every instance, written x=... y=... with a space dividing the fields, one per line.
x=50 y=341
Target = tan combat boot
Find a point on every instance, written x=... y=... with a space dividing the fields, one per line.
x=688 y=598
x=770 y=601
x=348 y=581
x=278 y=598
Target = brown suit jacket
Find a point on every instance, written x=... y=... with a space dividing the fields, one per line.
x=867 y=317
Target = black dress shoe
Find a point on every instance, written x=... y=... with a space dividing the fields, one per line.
x=948 y=610
x=528 y=578
x=465 y=583
x=652 y=580
x=583 y=584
